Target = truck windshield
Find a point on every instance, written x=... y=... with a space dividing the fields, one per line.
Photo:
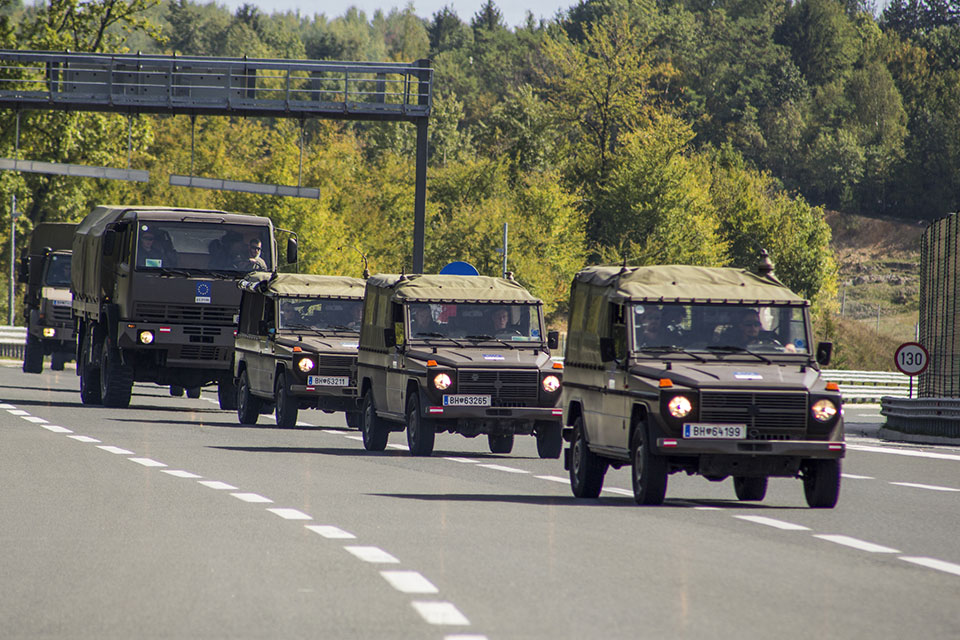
x=475 y=321
x=205 y=246
x=720 y=328
x=58 y=270
x=321 y=314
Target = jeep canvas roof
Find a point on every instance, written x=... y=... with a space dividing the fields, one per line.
x=303 y=285
x=452 y=288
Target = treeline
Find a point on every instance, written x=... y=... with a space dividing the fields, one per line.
x=653 y=132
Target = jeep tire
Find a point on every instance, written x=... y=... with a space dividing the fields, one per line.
x=549 y=439
x=821 y=483
x=286 y=406
x=421 y=432
x=750 y=488
x=587 y=469
x=372 y=428
x=248 y=405
x=648 y=471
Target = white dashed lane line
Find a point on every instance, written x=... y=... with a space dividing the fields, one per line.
x=178 y=473
x=931 y=487
x=374 y=555
x=147 y=462
x=851 y=476
x=931 y=563
x=409 y=582
x=553 y=479
x=331 y=532
x=251 y=497
x=500 y=467
x=440 y=613
x=461 y=460
x=904 y=452
x=117 y=450
x=219 y=486
x=54 y=428
x=83 y=438
x=772 y=522
x=18 y=412
x=34 y=419
x=856 y=543
x=290 y=514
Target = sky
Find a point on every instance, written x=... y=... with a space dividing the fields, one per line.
x=513 y=14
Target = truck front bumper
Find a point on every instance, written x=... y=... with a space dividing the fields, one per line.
x=192 y=347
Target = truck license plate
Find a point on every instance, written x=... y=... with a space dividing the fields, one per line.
x=692 y=430
x=328 y=381
x=466 y=401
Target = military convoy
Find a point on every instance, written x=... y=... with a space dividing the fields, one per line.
x=296 y=346
x=708 y=371
x=45 y=271
x=462 y=354
x=155 y=297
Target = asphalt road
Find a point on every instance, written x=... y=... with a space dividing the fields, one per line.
x=169 y=520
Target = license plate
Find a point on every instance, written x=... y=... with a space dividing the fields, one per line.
x=328 y=381
x=692 y=430
x=466 y=401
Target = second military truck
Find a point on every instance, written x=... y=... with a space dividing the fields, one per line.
x=155 y=297
x=464 y=354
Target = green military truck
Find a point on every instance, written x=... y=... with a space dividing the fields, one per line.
x=707 y=371
x=462 y=354
x=45 y=273
x=155 y=297
x=296 y=346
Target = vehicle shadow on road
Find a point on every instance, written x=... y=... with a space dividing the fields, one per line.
x=333 y=451
x=508 y=498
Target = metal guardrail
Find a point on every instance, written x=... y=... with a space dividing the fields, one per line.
x=936 y=417
x=12 y=341
x=869 y=386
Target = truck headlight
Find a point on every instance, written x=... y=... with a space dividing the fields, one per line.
x=679 y=406
x=145 y=337
x=442 y=381
x=305 y=364
x=550 y=384
x=49 y=332
x=823 y=410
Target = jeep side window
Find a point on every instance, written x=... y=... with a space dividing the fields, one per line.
x=398 y=324
x=618 y=330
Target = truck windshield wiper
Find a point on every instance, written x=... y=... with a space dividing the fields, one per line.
x=729 y=348
x=671 y=349
x=340 y=327
x=166 y=271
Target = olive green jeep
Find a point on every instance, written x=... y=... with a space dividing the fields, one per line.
x=296 y=346
x=707 y=371
x=462 y=354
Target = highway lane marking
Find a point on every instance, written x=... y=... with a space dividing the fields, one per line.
x=83 y=439
x=178 y=473
x=932 y=563
x=290 y=514
x=904 y=452
x=409 y=582
x=360 y=438
x=553 y=479
x=331 y=532
x=116 y=450
x=372 y=554
x=463 y=460
x=34 y=419
x=251 y=497
x=331 y=432
x=856 y=543
x=397 y=446
x=7 y=406
x=219 y=486
x=772 y=522
x=499 y=467
x=461 y=636
x=18 y=412
x=147 y=462
x=931 y=487
x=440 y=613
x=56 y=429
x=618 y=491
x=854 y=476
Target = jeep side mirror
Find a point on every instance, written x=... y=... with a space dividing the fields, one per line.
x=291 y=250
x=608 y=351
x=824 y=351
x=390 y=337
x=553 y=339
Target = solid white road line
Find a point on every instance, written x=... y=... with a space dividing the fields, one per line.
x=408 y=582
x=251 y=497
x=856 y=477
x=618 y=491
x=931 y=563
x=332 y=432
x=863 y=545
x=290 y=514
x=181 y=474
x=498 y=467
x=56 y=429
x=440 y=613
x=116 y=450
x=372 y=554
x=463 y=460
x=34 y=419
x=771 y=522
x=219 y=486
x=328 y=531
x=396 y=446
x=904 y=452
x=147 y=462
x=360 y=438
x=83 y=438
x=553 y=479
x=931 y=487
x=461 y=636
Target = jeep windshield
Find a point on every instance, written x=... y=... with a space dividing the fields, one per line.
x=320 y=314
x=718 y=330
x=512 y=324
x=202 y=247
x=58 y=270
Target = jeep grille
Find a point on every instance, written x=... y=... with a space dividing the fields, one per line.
x=507 y=388
x=337 y=366
x=768 y=416
x=176 y=313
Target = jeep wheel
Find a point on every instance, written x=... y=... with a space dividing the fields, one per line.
x=549 y=439
x=586 y=468
x=193 y=392
x=286 y=405
x=248 y=406
x=821 y=483
x=353 y=419
x=116 y=379
x=227 y=393
x=176 y=391
x=649 y=470
x=500 y=443
x=32 y=355
x=374 y=432
x=421 y=431
x=750 y=488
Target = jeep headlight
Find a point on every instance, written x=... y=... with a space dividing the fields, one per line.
x=550 y=384
x=442 y=381
x=305 y=364
x=679 y=406
x=145 y=337
x=823 y=410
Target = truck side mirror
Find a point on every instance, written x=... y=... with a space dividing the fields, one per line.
x=553 y=339
x=291 y=250
x=24 y=274
x=824 y=351
x=109 y=241
x=608 y=350
x=390 y=337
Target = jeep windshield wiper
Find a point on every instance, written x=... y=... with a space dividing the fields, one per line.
x=484 y=336
x=729 y=348
x=304 y=326
x=671 y=349
x=428 y=335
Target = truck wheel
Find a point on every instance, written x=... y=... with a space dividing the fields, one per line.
x=193 y=392
x=57 y=360
x=374 y=432
x=500 y=443
x=32 y=355
x=821 y=483
x=586 y=468
x=421 y=432
x=549 y=439
x=248 y=406
x=176 y=391
x=116 y=379
x=750 y=488
x=353 y=419
x=227 y=393
x=286 y=405
x=649 y=469
x=89 y=371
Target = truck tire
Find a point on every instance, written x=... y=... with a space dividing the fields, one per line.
x=549 y=439
x=750 y=488
x=227 y=393
x=649 y=470
x=421 y=432
x=176 y=391
x=33 y=355
x=57 y=360
x=821 y=483
x=500 y=443
x=89 y=374
x=375 y=433
x=587 y=469
x=286 y=406
x=193 y=392
x=248 y=405
x=116 y=379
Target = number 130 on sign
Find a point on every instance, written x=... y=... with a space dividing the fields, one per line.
x=911 y=358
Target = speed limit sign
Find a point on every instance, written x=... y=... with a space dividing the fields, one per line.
x=911 y=358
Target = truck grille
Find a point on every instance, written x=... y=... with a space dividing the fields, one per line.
x=508 y=388
x=177 y=313
x=196 y=352
x=768 y=416
x=202 y=334
x=62 y=314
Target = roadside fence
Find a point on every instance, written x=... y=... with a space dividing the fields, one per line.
x=869 y=386
x=12 y=341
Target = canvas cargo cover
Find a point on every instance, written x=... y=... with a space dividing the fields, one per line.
x=685 y=283
x=306 y=285
x=57 y=236
x=440 y=288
